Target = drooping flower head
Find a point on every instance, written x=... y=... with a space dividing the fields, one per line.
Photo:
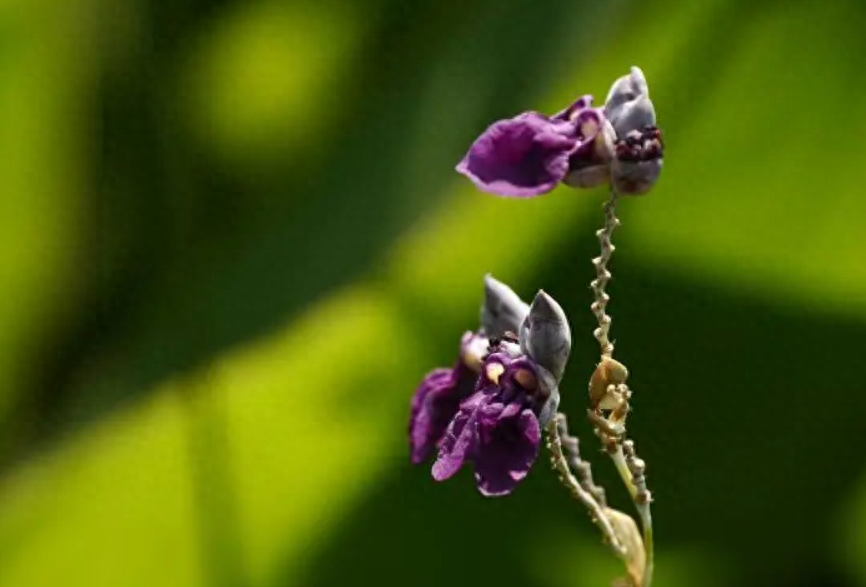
x=498 y=426
x=581 y=146
x=438 y=398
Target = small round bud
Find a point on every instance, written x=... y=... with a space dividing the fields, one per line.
x=609 y=372
x=545 y=335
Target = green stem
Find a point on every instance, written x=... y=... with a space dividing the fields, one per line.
x=643 y=510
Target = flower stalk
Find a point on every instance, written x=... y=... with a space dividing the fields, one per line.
x=603 y=275
x=581 y=490
x=489 y=410
x=611 y=429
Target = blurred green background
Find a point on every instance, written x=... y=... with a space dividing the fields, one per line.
x=233 y=243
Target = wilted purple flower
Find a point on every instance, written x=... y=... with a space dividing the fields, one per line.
x=498 y=426
x=581 y=146
x=530 y=154
x=438 y=397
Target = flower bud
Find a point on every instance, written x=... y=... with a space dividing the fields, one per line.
x=639 y=149
x=503 y=310
x=626 y=88
x=623 y=95
x=633 y=115
x=545 y=335
x=608 y=372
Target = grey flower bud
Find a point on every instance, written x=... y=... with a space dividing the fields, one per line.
x=545 y=335
x=633 y=115
x=503 y=310
x=625 y=90
x=639 y=148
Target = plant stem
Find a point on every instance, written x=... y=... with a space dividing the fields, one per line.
x=641 y=499
x=630 y=468
x=596 y=512
x=603 y=275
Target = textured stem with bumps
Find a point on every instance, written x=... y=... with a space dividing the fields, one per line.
x=603 y=275
x=629 y=466
x=642 y=499
x=578 y=491
x=581 y=468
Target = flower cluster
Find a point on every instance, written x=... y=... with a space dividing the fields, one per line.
x=581 y=146
x=489 y=408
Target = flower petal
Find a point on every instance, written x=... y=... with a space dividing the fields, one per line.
x=588 y=165
x=456 y=446
x=510 y=410
x=578 y=105
x=434 y=405
x=505 y=459
x=626 y=89
x=545 y=334
x=503 y=310
x=633 y=115
x=522 y=157
x=588 y=177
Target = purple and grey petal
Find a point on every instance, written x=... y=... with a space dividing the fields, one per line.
x=508 y=442
x=588 y=165
x=575 y=108
x=524 y=156
x=545 y=334
x=623 y=93
x=638 y=151
x=457 y=444
x=503 y=310
x=434 y=405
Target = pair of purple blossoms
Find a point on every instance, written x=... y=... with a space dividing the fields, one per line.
x=580 y=146
x=489 y=408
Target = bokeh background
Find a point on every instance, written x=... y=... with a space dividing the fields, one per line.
x=233 y=243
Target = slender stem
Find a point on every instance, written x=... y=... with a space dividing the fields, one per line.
x=622 y=468
x=582 y=469
x=595 y=510
x=630 y=469
x=647 y=523
x=603 y=275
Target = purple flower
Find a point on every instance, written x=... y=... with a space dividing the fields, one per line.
x=581 y=146
x=438 y=398
x=530 y=154
x=497 y=427
x=496 y=423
